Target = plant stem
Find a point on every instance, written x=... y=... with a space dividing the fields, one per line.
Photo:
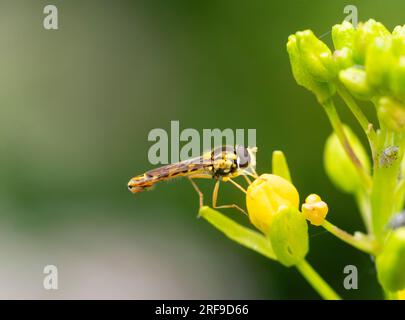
x=364 y=205
x=360 y=116
x=385 y=182
x=399 y=195
x=364 y=245
x=316 y=281
x=338 y=128
x=400 y=188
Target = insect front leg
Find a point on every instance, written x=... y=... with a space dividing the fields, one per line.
x=247 y=179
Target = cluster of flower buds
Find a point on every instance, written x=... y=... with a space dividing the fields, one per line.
x=273 y=205
x=367 y=63
x=368 y=60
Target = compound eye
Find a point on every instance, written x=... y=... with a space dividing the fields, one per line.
x=243 y=156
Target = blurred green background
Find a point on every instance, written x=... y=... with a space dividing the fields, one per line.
x=76 y=107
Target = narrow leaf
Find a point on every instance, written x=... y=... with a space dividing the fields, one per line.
x=280 y=166
x=244 y=236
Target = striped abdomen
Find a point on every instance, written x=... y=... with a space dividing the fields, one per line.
x=185 y=168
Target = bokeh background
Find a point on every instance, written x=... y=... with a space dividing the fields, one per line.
x=76 y=107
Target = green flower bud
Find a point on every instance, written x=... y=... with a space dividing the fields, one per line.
x=399 y=31
x=316 y=56
x=343 y=35
x=322 y=90
x=391 y=262
x=379 y=61
x=392 y=113
x=355 y=80
x=366 y=33
x=398 y=42
x=289 y=236
x=397 y=78
x=338 y=165
x=397 y=75
x=343 y=58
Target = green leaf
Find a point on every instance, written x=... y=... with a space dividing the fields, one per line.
x=289 y=236
x=246 y=237
x=280 y=166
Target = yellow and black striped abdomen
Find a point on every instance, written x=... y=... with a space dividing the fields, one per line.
x=181 y=169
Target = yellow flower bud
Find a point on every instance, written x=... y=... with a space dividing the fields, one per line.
x=265 y=196
x=314 y=209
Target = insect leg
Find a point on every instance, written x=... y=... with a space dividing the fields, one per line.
x=197 y=189
x=254 y=173
x=215 y=197
x=247 y=179
x=237 y=185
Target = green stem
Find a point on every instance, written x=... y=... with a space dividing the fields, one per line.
x=384 y=194
x=399 y=195
x=362 y=244
x=338 y=128
x=360 y=116
x=316 y=281
x=400 y=189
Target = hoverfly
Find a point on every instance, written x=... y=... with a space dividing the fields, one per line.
x=223 y=163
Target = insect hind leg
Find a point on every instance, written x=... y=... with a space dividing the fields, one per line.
x=199 y=192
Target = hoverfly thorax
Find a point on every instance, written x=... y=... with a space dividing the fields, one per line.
x=229 y=161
